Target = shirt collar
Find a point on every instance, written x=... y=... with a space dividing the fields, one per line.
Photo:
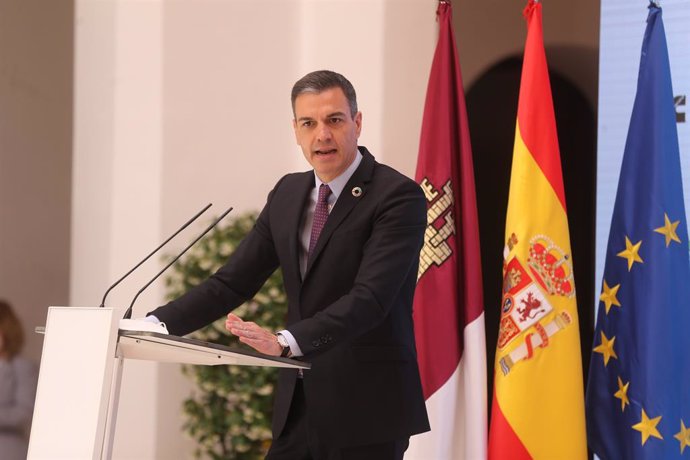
x=338 y=184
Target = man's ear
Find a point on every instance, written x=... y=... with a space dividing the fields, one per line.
x=358 y=122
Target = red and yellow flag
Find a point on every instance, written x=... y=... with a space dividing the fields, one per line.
x=538 y=403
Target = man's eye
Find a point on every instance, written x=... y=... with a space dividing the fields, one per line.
x=336 y=120
x=307 y=124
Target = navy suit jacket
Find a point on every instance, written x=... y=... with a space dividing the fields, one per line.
x=351 y=313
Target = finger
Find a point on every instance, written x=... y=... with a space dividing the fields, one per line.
x=252 y=328
x=254 y=340
x=238 y=331
x=257 y=334
x=233 y=321
x=233 y=317
x=235 y=328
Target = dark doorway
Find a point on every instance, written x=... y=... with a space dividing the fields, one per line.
x=492 y=110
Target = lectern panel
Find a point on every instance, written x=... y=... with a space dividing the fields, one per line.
x=74 y=383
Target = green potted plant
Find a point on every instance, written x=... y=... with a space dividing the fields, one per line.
x=229 y=411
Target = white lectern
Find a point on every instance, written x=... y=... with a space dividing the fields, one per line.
x=79 y=378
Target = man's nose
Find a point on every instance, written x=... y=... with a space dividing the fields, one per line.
x=324 y=133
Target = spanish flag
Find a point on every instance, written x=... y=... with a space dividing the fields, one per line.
x=538 y=401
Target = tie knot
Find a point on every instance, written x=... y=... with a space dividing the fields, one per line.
x=324 y=193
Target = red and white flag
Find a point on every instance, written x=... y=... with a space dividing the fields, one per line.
x=448 y=304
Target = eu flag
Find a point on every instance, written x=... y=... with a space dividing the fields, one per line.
x=638 y=393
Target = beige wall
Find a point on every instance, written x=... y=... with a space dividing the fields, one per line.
x=35 y=158
x=492 y=30
x=182 y=102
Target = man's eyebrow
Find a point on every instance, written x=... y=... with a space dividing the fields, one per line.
x=330 y=115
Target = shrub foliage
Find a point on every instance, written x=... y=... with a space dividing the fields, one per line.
x=229 y=411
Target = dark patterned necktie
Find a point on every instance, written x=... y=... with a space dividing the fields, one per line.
x=320 y=216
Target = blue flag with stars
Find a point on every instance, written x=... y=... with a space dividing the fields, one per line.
x=638 y=392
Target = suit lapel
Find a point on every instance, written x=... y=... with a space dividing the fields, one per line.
x=347 y=200
x=294 y=219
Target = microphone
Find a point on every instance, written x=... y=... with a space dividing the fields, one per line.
x=128 y=313
x=152 y=253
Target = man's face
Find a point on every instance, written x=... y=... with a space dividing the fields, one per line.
x=326 y=131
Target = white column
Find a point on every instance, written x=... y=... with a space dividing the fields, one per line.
x=117 y=181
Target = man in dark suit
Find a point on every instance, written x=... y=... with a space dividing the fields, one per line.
x=347 y=236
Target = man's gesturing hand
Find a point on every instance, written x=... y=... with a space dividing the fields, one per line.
x=258 y=338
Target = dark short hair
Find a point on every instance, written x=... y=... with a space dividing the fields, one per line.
x=321 y=80
x=11 y=330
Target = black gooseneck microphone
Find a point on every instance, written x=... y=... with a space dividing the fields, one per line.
x=128 y=313
x=196 y=216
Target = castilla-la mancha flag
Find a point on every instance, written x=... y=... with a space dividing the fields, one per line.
x=448 y=305
x=538 y=401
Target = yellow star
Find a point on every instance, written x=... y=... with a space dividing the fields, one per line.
x=608 y=296
x=669 y=230
x=606 y=348
x=622 y=393
x=683 y=436
x=631 y=252
x=647 y=427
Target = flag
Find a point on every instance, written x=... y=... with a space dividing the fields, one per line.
x=638 y=392
x=448 y=305
x=538 y=401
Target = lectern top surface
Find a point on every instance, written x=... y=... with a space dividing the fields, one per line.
x=162 y=347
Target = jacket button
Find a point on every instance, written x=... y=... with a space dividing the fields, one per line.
x=316 y=343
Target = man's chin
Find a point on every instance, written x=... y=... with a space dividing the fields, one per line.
x=326 y=174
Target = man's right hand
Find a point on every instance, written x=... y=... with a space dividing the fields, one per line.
x=260 y=339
